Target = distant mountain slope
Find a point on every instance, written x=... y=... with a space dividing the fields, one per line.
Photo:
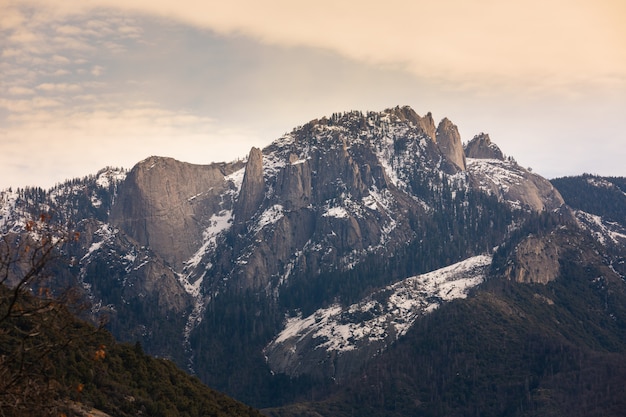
x=599 y=205
x=602 y=196
x=511 y=349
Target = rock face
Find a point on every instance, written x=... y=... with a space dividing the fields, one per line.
x=449 y=141
x=426 y=123
x=504 y=178
x=252 y=188
x=481 y=147
x=127 y=282
x=324 y=197
x=334 y=184
x=165 y=205
x=539 y=258
x=300 y=200
x=536 y=261
x=511 y=183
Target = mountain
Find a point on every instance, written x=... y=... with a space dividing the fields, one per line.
x=310 y=272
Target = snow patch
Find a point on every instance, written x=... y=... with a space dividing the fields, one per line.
x=218 y=223
x=236 y=178
x=108 y=176
x=604 y=231
x=106 y=234
x=388 y=313
x=338 y=212
x=269 y=216
x=273 y=163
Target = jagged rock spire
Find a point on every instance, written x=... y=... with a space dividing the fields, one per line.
x=481 y=147
x=449 y=142
x=252 y=188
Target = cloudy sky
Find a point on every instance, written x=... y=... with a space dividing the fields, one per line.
x=89 y=84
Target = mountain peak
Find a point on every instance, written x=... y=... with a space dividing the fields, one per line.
x=449 y=141
x=406 y=113
x=481 y=147
x=253 y=186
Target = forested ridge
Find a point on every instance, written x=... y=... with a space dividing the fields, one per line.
x=603 y=196
x=510 y=350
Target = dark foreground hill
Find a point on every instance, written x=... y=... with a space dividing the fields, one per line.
x=52 y=364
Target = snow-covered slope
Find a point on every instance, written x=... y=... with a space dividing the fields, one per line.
x=371 y=324
x=513 y=184
x=606 y=232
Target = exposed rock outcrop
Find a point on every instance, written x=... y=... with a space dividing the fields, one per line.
x=165 y=204
x=253 y=187
x=426 y=123
x=449 y=142
x=511 y=183
x=295 y=183
x=481 y=147
x=536 y=261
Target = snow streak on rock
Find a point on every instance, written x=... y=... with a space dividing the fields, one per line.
x=219 y=223
x=604 y=231
x=269 y=216
x=106 y=234
x=237 y=179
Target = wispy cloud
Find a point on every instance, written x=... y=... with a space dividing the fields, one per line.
x=97 y=70
x=59 y=87
x=517 y=43
x=20 y=91
x=143 y=75
x=53 y=56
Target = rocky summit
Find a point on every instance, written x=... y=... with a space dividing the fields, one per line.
x=295 y=270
